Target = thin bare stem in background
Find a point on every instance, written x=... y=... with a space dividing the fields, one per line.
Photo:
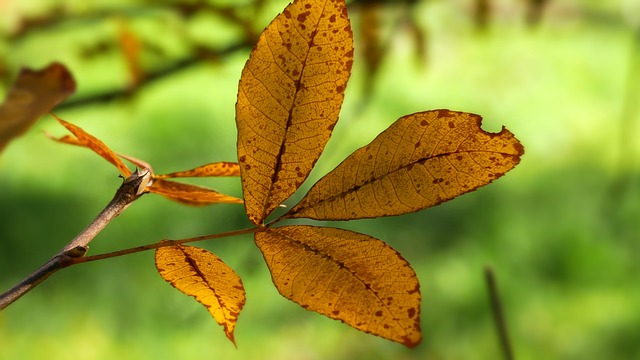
x=498 y=314
x=162 y=243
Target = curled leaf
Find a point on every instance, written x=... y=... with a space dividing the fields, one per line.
x=190 y=194
x=289 y=98
x=184 y=193
x=346 y=276
x=94 y=144
x=33 y=94
x=201 y=274
x=421 y=160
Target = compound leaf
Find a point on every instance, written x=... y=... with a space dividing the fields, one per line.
x=201 y=274
x=346 y=276
x=289 y=98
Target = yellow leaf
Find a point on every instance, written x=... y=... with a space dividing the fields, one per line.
x=33 y=94
x=346 y=276
x=190 y=194
x=214 y=169
x=201 y=274
x=95 y=145
x=421 y=160
x=289 y=98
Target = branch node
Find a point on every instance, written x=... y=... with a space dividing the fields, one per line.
x=76 y=252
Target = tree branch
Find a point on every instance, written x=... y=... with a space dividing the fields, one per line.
x=132 y=188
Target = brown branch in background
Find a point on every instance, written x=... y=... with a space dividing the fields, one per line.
x=58 y=14
x=498 y=313
x=132 y=188
x=153 y=77
x=131 y=46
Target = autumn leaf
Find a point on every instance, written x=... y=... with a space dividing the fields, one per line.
x=96 y=146
x=289 y=98
x=190 y=194
x=222 y=168
x=201 y=274
x=131 y=50
x=421 y=160
x=183 y=193
x=346 y=276
x=33 y=94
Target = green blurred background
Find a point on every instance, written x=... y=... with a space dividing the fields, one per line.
x=561 y=230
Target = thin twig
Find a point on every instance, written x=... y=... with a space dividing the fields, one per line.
x=131 y=189
x=498 y=314
x=160 y=244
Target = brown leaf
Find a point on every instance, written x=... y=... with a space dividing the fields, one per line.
x=94 y=144
x=201 y=274
x=190 y=194
x=32 y=95
x=72 y=140
x=209 y=170
x=65 y=139
x=346 y=276
x=289 y=98
x=421 y=160
x=131 y=49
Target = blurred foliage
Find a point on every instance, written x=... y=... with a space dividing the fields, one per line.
x=560 y=231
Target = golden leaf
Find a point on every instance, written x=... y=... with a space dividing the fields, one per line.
x=421 y=160
x=289 y=98
x=190 y=194
x=33 y=94
x=94 y=144
x=201 y=274
x=346 y=276
x=214 y=169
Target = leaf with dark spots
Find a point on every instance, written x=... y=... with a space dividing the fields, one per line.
x=201 y=274
x=420 y=161
x=346 y=276
x=289 y=98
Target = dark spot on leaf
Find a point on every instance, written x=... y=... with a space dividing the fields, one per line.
x=411 y=312
x=302 y=17
x=378 y=313
x=415 y=290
